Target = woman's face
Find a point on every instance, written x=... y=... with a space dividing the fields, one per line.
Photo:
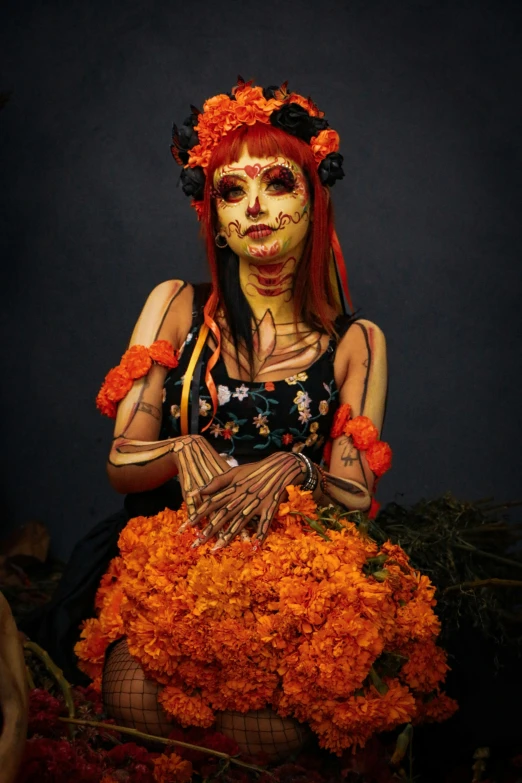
x=263 y=207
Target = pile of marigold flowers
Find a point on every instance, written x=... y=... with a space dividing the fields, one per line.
x=336 y=631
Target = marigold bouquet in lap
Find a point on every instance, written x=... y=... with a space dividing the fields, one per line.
x=337 y=633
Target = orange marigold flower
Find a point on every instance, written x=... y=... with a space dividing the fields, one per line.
x=117 y=384
x=362 y=431
x=324 y=143
x=187 y=710
x=199 y=156
x=136 y=361
x=105 y=405
x=342 y=414
x=162 y=352
x=438 y=708
x=305 y=103
x=379 y=457
x=172 y=769
x=426 y=666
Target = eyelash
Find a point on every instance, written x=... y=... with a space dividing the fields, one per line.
x=224 y=192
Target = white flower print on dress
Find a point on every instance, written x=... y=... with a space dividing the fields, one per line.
x=224 y=394
x=259 y=420
x=241 y=392
x=304 y=415
x=204 y=407
x=232 y=461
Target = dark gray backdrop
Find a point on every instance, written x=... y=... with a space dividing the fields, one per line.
x=426 y=97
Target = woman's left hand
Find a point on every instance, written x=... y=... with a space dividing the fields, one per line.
x=243 y=494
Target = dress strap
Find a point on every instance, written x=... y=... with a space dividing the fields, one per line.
x=201 y=294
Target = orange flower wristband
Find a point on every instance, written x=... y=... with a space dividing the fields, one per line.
x=135 y=363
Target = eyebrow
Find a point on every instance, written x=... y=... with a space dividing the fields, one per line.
x=231 y=175
x=280 y=166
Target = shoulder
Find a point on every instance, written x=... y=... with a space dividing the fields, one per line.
x=166 y=314
x=360 y=335
x=362 y=340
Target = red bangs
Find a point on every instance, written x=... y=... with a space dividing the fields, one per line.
x=262 y=141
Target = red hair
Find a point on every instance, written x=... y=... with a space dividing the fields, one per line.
x=313 y=296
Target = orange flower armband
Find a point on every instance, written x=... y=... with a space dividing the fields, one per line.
x=135 y=363
x=365 y=437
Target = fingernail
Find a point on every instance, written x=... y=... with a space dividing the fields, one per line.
x=196 y=543
x=219 y=545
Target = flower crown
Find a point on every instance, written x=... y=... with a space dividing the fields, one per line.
x=194 y=142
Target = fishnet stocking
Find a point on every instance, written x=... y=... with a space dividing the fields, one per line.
x=263 y=731
x=131 y=699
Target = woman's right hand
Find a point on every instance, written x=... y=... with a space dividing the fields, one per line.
x=197 y=463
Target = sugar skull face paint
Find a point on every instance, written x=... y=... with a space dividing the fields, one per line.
x=263 y=206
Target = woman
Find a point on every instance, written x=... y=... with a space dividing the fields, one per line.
x=266 y=358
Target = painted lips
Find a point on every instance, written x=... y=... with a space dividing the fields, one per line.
x=259 y=232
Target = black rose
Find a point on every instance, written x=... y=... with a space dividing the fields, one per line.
x=295 y=120
x=193 y=182
x=331 y=168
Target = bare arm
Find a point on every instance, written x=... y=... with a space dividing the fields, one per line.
x=138 y=461
x=361 y=375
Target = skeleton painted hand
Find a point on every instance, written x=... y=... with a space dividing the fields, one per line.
x=198 y=464
x=241 y=495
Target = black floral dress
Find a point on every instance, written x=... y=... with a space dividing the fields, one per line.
x=253 y=420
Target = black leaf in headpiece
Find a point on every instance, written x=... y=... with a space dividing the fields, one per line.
x=331 y=168
x=295 y=120
x=270 y=92
x=193 y=182
x=184 y=138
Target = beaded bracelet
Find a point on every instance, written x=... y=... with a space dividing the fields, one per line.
x=311 y=481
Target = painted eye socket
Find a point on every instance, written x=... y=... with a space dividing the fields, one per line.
x=280 y=180
x=232 y=194
x=230 y=190
x=279 y=186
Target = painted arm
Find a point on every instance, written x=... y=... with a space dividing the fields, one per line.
x=138 y=461
x=361 y=375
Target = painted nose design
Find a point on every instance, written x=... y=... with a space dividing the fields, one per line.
x=255 y=209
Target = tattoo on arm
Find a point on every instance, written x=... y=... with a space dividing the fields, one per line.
x=349 y=455
x=152 y=410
